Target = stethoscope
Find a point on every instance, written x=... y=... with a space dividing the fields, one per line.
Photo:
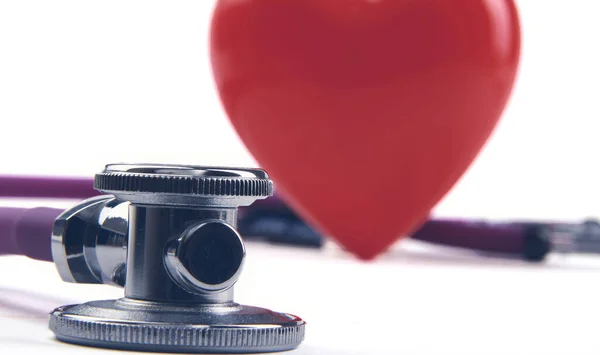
x=168 y=235
x=171 y=236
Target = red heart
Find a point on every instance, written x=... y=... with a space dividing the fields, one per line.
x=365 y=113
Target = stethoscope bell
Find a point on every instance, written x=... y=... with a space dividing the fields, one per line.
x=168 y=235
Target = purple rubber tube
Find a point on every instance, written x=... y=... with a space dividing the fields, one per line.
x=505 y=238
x=27 y=231
x=46 y=187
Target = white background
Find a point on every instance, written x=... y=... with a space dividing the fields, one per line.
x=84 y=83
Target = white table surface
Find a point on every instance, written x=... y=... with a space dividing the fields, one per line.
x=411 y=301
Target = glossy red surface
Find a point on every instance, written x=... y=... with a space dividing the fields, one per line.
x=365 y=113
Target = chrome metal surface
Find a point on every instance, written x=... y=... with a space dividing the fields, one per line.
x=139 y=325
x=207 y=258
x=152 y=230
x=168 y=235
x=89 y=241
x=581 y=238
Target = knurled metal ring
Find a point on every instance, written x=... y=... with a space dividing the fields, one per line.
x=168 y=329
x=183 y=180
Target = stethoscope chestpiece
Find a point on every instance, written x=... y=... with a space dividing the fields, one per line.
x=168 y=235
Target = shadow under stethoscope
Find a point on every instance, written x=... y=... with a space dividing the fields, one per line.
x=27 y=305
